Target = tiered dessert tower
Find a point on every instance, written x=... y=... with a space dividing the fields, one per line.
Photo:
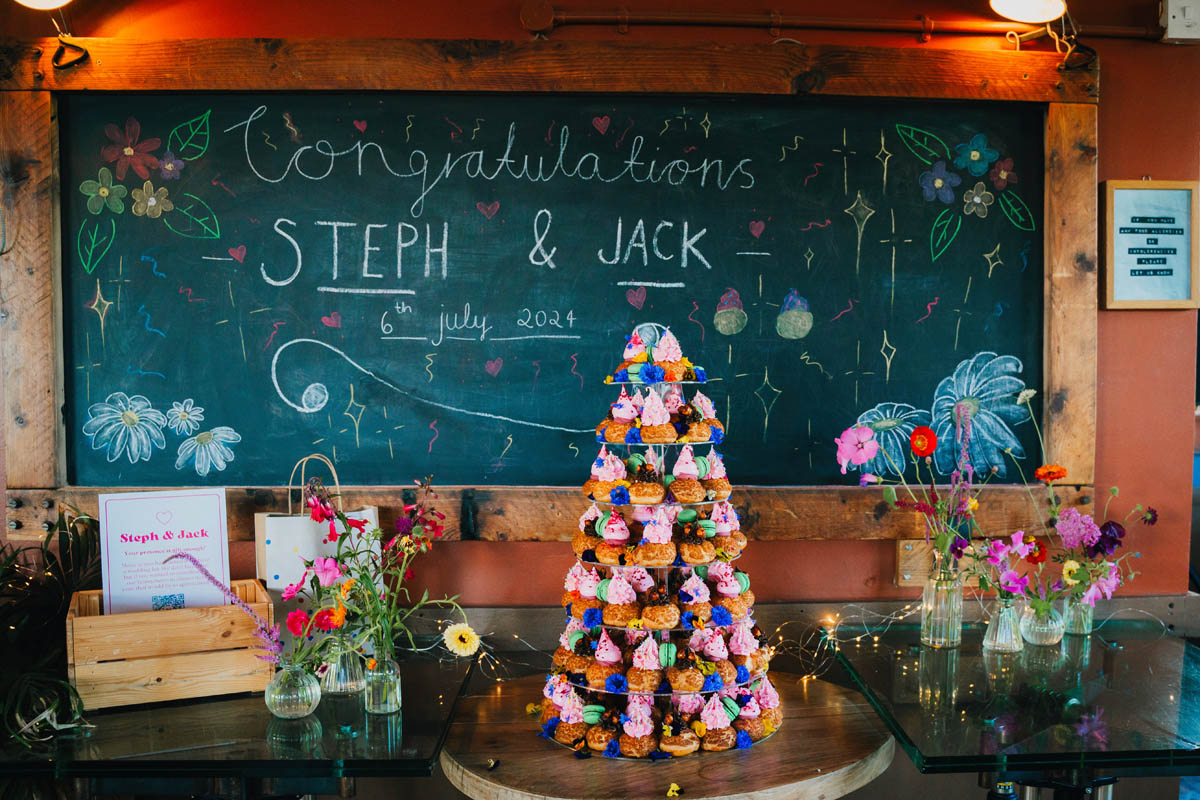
x=660 y=656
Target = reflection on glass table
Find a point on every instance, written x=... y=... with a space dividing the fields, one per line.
x=239 y=737
x=1123 y=701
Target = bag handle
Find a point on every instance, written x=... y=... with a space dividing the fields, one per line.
x=302 y=465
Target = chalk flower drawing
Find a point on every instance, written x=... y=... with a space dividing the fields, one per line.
x=169 y=167
x=939 y=183
x=975 y=200
x=147 y=202
x=893 y=424
x=102 y=193
x=975 y=156
x=986 y=386
x=126 y=151
x=1002 y=174
x=127 y=426
x=208 y=450
x=185 y=418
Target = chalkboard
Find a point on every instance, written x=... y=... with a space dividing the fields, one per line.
x=421 y=284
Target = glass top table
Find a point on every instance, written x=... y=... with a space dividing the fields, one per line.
x=237 y=737
x=1123 y=701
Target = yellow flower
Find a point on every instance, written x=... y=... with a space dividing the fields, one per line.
x=608 y=379
x=972 y=505
x=533 y=709
x=673 y=790
x=1069 y=570
x=683 y=439
x=346 y=587
x=666 y=730
x=706 y=667
x=461 y=639
x=700 y=728
x=768 y=728
x=634 y=624
x=147 y=202
x=639 y=358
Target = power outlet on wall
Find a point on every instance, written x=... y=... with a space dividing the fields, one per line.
x=1180 y=21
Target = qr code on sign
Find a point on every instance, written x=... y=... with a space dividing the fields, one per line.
x=164 y=602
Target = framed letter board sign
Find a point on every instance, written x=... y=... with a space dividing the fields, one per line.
x=1151 y=244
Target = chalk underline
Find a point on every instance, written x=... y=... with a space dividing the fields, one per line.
x=473 y=339
x=357 y=290
x=653 y=284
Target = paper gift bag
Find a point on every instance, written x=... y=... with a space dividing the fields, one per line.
x=283 y=542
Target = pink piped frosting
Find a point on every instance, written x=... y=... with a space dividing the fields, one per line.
x=638 y=726
x=591 y=515
x=715 y=649
x=624 y=410
x=718 y=570
x=725 y=518
x=672 y=511
x=705 y=406
x=646 y=656
x=713 y=716
x=674 y=400
x=742 y=641
x=620 y=593
x=639 y=705
x=667 y=348
x=688 y=703
x=685 y=465
x=634 y=638
x=697 y=588
x=562 y=693
x=571 y=582
x=640 y=579
x=751 y=710
x=642 y=513
x=552 y=684
x=572 y=625
x=615 y=530
x=638 y=400
x=653 y=411
x=612 y=468
x=699 y=639
x=658 y=529
x=571 y=711
x=588 y=583
x=634 y=347
x=766 y=695
x=598 y=464
x=728 y=586
x=716 y=465
x=607 y=651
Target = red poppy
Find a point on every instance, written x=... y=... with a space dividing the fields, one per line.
x=923 y=441
x=127 y=151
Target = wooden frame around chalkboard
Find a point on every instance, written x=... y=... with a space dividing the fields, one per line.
x=30 y=296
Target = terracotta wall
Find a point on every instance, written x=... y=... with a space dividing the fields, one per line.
x=1149 y=125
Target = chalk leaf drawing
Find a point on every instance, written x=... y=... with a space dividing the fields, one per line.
x=1015 y=209
x=986 y=386
x=923 y=144
x=185 y=418
x=93 y=241
x=944 y=229
x=893 y=424
x=124 y=425
x=208 y=450
x=189 y=140
x=194 y=219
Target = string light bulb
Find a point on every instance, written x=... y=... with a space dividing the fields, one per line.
x=1031 y=12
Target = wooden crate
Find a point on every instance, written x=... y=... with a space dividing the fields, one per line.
x=150 y=656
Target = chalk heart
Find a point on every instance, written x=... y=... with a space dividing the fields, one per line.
x=488 y=209
x=601 y=123
x=636 y=297
x=493 y=366
x=757 y=227
x=334 y=320
x=238 y=253
x=361 y=124
x=164 y=517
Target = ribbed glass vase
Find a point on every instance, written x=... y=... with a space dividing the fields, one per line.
x=941 y=606
x=344 y=670
x=383 y=685
x=1042 y=629
x=1077 y=616
x=292 y=693
x=1003 y=633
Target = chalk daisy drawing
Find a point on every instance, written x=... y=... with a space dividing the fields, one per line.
x=986 y=386
x=208 y=450
x=124 y=425
x=185 y=418
x=893 y=424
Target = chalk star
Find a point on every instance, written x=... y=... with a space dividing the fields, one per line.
x=100 y=306
x=861 y=212
x=766 y=390
x=888 y=351
x=356 y=417
x=845 y=152
x=883 y=155
x=993 y=259
x=808 y=257
x=894 y=240
x=706 y=123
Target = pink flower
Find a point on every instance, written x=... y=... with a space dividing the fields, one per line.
x=1091 y=595
x=1077 y=529
x=856 y=446
x=327 y=571
x=1019 y=545
x=866 y=479
x=1010 y=581
x=296 y=621
x=290 y=591
x=997 y=551
x=319 y=510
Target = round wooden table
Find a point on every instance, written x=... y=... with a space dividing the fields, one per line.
x=830 y=744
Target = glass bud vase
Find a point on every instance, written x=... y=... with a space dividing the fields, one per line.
x=383 y=685
x=1003 y=633
x=292 y=693
x=1077 y=616
x=343 y=671
x=941 y=606
x=1042 y=629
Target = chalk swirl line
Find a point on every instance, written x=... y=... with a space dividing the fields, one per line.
x=323 y=393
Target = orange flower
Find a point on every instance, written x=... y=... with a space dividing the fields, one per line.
x=346 y=587
x=338 y=617
x=1048 y=473
x=923 y=441
x=371 y=663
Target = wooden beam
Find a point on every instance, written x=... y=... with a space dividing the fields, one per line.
x=546 y=66
x=550 y=514
x=1071 y=289
x=29 y=356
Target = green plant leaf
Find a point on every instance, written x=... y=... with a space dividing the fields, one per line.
x=923 y=144
x=189 y=140
x=200 y=222
x=94 y=238
x=944 y=229
x=1015 y=209
x=889 y=495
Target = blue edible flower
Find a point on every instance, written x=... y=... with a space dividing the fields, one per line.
x=624 y=718
x=743 y=740
x=619 y=496
x=583 y=752
x=686 y=619
x=744 y=698
x=721 y=616
x=743 y=674
x=658 y=755
x=599 y=438
x=685 y=596
x=549 y=728
x=599 y=462
x=664 y=687
x=716 y=435
x=652 y=374
x=712 y=682
x=589 y=556
x=592 y=617
x=621 y=376
x=616 y=684
x=633 y=436
x=569 y=611
x=678 y=562
x=612 y=749
x=701 y=376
